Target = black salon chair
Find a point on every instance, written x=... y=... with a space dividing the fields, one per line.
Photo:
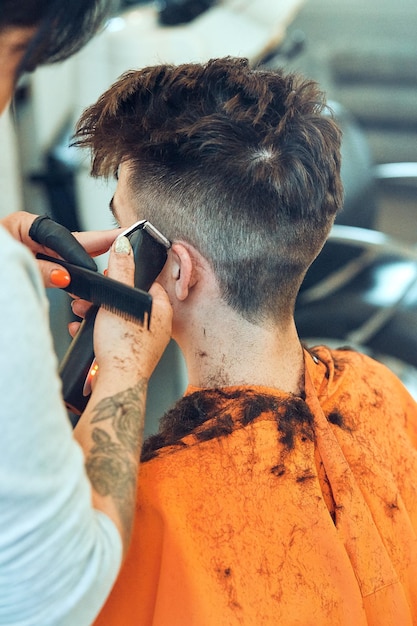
x=362 y=289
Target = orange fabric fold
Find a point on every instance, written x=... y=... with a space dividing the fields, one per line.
x=383 y=596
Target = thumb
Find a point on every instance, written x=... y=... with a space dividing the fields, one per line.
x=121 y=264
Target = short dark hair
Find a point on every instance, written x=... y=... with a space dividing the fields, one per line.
x=242 y=163
x=64 y=26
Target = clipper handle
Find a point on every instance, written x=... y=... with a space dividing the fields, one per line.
x=76 y=364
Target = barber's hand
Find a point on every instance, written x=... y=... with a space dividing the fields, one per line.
x=125 y=350
x=41 y=234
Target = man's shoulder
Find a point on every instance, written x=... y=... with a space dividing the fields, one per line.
x=355 y=375
x=348 y=360
x=364 y=387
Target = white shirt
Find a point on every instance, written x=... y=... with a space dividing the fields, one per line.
x=58 y=556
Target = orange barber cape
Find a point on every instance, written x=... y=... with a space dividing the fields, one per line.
x=275 y=510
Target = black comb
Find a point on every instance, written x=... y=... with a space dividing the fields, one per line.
x=129 y=302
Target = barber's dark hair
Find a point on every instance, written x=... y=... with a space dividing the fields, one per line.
x=64 y=26
x=244 y=164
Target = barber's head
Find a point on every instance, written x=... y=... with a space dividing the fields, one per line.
x=34 y=32
x=241 y=163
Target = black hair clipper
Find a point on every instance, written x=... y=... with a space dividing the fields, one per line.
x=150 y=249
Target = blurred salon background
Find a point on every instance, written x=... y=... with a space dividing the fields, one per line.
x=363 y=292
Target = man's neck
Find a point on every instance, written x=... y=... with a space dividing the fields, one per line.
x=223 y=350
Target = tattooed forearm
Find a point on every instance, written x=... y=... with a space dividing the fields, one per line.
x=112 y=461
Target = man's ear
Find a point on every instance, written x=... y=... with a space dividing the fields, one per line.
x=182 y=270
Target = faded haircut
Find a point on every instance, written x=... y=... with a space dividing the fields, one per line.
x=242 y=163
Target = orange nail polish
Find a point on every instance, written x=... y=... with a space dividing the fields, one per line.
x=60 y=278
x=105 y=272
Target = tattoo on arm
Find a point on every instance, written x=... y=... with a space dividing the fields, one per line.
x=112 y=463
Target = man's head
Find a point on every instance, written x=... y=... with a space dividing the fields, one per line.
x=240 y=163
x=33 y=32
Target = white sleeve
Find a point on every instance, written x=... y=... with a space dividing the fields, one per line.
x=58 y=556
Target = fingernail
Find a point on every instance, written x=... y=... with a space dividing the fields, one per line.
x=60 y=278
x=122 y=245
x=105 y=272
